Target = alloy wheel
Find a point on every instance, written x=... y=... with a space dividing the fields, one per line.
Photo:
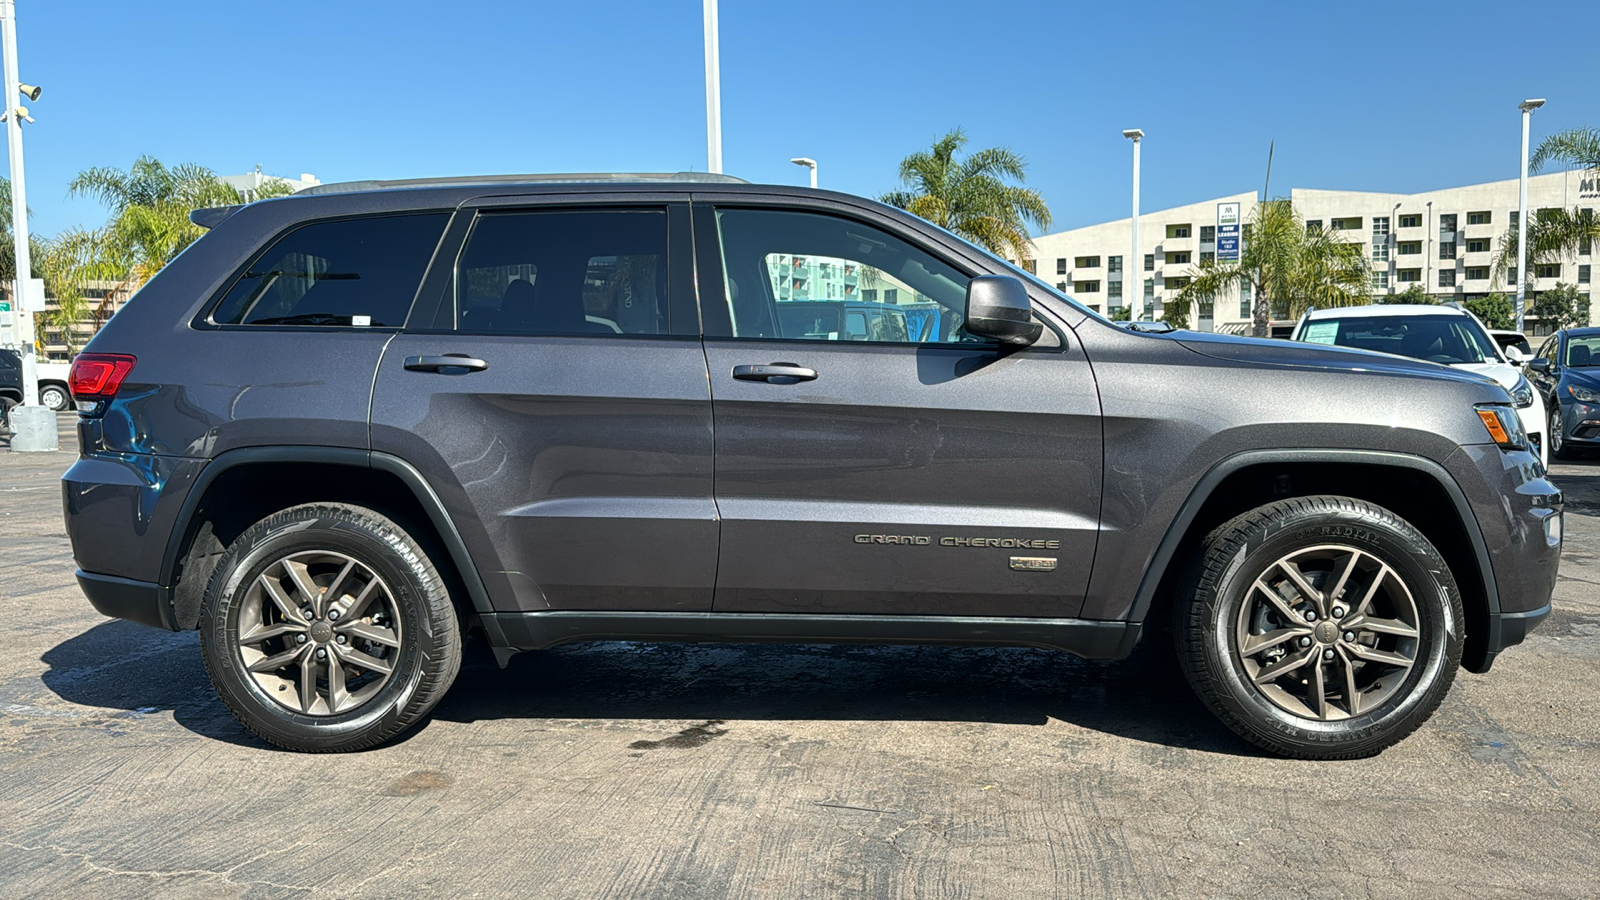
x=1327 y=632
x=319 y=632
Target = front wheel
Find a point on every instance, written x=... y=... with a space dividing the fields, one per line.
x=1558 y=444
x=54 y=397
x=326 y=627
x=1321 y=627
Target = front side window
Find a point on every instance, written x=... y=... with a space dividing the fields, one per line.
x=801 y=275
x=352 y=273
x=594 y=272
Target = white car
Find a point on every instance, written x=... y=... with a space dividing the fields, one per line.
x=1447 y=335
x=53 y=391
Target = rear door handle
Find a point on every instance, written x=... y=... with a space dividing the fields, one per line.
x=447 y=361
x=775 y=373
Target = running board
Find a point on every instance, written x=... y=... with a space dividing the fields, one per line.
x=512 y=632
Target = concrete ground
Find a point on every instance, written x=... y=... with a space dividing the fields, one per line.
x=624 y=770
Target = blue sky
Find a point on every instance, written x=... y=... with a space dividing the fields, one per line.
x=1359 y=96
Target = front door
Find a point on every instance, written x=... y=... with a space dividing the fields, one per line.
x=572 y=441
x=873 y=458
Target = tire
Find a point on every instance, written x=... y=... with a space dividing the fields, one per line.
x=388 y=593
x=1232 y=636
x=6 y=405
x=1554 y=434
x=54 y=398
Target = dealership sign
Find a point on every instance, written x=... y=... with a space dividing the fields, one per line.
x=1227 y=232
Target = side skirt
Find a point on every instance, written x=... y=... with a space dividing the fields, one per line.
x=538 y=630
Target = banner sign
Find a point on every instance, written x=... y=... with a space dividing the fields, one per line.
x=1227 y=232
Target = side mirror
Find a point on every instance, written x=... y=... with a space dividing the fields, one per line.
x=998 y=308
x=1514 y=353
x=1539 y=364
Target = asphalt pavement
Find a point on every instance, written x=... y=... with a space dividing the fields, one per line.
x=703 y=771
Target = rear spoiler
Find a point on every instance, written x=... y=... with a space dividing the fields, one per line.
x=211 y=216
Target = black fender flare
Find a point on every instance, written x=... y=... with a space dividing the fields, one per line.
x=1216 y=474
x=332 y=456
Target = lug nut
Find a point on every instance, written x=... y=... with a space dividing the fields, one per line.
x=1305 y=642
x=341 y=639
x=1338 y=612
x=1350 y=635
x=1327 y=654
x=299 y=639
x=1311 y=616
x=308 y=613
x=333 y=613
x=322 y=654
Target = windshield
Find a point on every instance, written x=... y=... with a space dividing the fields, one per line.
x=1583 y=352
x=1022 y=273
x=1447 y=340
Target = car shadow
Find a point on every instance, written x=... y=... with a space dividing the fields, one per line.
x=1143 y=698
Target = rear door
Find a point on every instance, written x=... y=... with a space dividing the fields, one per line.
x=572 y=441
x=866 y=470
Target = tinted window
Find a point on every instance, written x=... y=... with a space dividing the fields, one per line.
x=596 y=272
x=1447 y=340
x=1583 y=350
x=804 y=275
x=351 y=272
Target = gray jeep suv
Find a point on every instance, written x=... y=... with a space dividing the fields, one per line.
x=348 y=427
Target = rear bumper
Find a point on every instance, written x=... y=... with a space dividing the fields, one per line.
x=123 y=598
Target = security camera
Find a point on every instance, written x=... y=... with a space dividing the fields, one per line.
x=31 y=91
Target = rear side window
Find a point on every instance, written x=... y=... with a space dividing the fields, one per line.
x=356 y=273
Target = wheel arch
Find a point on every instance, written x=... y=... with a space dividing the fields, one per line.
x=223 y=501
x=1413 y=487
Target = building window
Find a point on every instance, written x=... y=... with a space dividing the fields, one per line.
x=1408 y=275
x=1511 y=275
x=1410 y=248
x=1061 y=286
x=1149 y=288
x=1447 y=249
x=1208 y=234
x=1313 y=226
x=1515 y=218
x=1412 y=221
x=1477 y=273
x=1087 y=287
x=1478 y=246
x=1244 y=300
x=1113 y=264
x=1349 y=223
x=1061 y=265
x=1447 y=227
x=1149 y=262
x=891 y=295
x=1031 y=266
x=1583 y=274
x=1447 y=278
x=1479 y=218
x=1086 y=262
x=1380 y=239
x=1114 y=291
x=1178 y=231
x=1207 y=256
x=1380 y=225
x=1178 y=282
x=1380 y=280
x=1177 y=257
x=1547 y=270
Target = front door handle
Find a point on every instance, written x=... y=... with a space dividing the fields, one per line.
x=775 y=373
x=448 y=361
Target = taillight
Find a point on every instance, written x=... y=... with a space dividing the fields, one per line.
x=97 y=376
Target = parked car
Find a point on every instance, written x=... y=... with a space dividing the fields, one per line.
x=54 y=390
x=10 y=384
x=348 y=427
x=1507 y=339
x=1566 y=372
x=1447 y=335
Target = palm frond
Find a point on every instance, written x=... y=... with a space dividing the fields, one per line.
x=1577 y=147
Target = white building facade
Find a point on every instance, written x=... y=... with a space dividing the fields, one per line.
x=250 y=182
x=1445 y=241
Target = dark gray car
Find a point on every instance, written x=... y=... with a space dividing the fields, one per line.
x=347 y=427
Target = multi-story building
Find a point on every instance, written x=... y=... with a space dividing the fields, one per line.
x=1445 y=241
x=250 y=182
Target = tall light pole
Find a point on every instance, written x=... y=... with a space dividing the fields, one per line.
x=1527 y=107
x=1135 y=264
x=809 y=163
x=33 y=427
x=713 y=92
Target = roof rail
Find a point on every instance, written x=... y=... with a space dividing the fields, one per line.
x=345 y=187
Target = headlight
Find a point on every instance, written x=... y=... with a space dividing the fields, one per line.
x=1503 y=425
x=1583 y=394
x=1522 y=393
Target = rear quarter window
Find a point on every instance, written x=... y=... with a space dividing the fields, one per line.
x=351 y=273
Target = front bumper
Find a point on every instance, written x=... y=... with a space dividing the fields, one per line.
x=124 y=598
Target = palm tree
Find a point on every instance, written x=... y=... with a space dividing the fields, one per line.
x=1286 y=266
x=971 y=197
x=1555 y=233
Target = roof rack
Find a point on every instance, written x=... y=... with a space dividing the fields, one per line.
x=345 y=187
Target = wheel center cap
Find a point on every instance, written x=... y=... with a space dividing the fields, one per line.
x=321 y=632
x=1326 y=631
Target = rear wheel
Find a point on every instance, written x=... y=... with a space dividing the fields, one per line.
x=327 y=628
x=6 y=405
x=1321 y=627
x=54 y=397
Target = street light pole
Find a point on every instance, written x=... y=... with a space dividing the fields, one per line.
x=1135 y=261
x=33 y=427
x=1527 y=107
x=713 y=92
x=809 y=163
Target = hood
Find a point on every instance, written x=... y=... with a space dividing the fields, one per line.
x=1300 y=354
x=1505 y=375
x=1582 y=376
